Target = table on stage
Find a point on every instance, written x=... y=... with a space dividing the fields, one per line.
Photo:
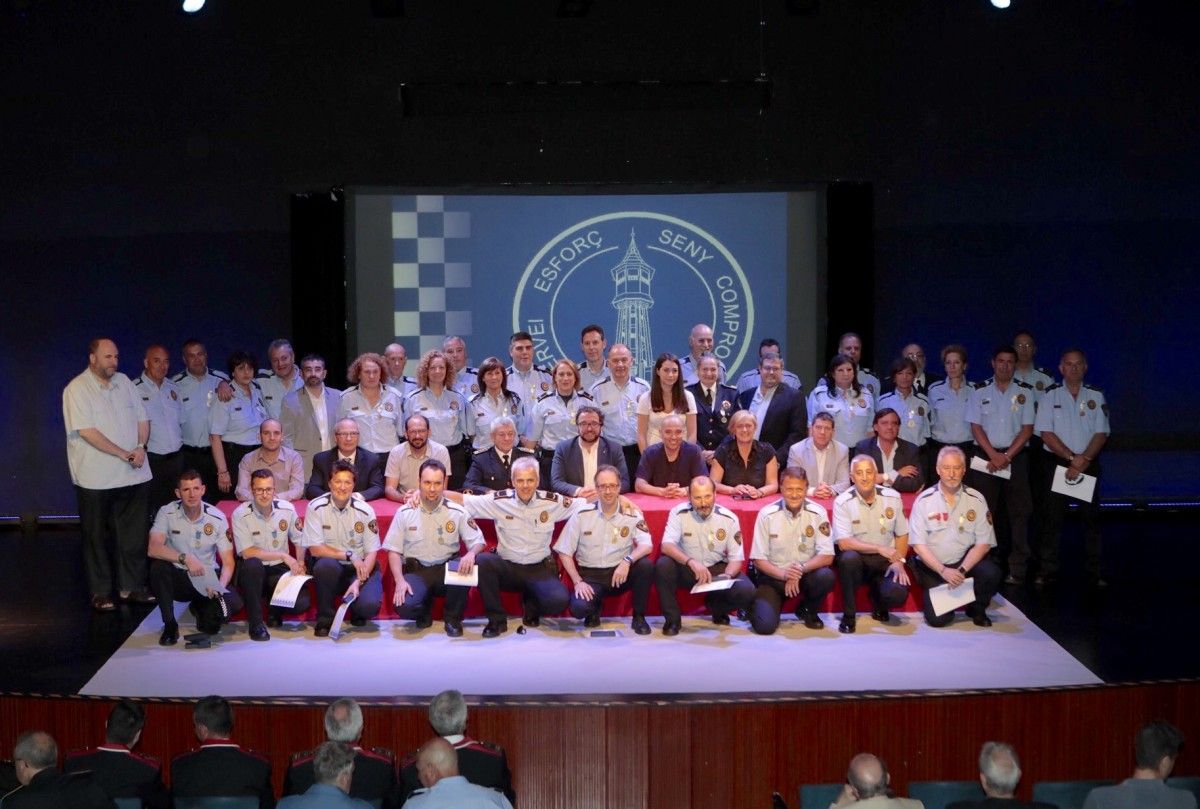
x=656 y=510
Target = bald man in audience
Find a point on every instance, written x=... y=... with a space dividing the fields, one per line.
x=437 y=765
x=35 y=757
x=867 y=787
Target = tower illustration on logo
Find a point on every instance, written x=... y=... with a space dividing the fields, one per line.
x=632 y=301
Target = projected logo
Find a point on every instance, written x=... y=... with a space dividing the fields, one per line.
x=646 y=277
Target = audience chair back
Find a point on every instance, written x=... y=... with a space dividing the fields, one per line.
x=1190 y=783
x=818 y=796
x=940 y=794
x=1066 y=794
x=222 y=802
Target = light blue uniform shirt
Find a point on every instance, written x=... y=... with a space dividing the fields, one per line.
x=913 y=412
x=450 y=419
x=951 y=532
x=237 y=420
x=196 y=394
x=1074 y=419
x=948 y=419
x=619 y=405
x=1001 y=414
x=165 y=411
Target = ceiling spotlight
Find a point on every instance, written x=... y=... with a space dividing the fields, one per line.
x=192 y=6
x=1001 y=3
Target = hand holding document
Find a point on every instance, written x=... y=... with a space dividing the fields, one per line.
x=287 y=590
x=945 y=598
x=1081 y=488
x=981 y=465
x=207 y=583
x=721 y=582
x=461 y=579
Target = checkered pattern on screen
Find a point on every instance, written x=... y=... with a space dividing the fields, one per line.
x=431 y=277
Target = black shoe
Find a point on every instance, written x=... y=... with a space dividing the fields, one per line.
x=1013 y=580
x=321 y=630
x=881 y=615
x=170 y=634
x=454 y=629
x=208 y=618
x=495 y=629
x=139 y=597
x=847 y=625
x=1046 y=580
x=671 y=628
x=356 y=621
x=592 y=621
x=720 y=620
x=980 y=618
x=424 y=622
x=532 y=619
x=743 y=614
x=274 y=621
x=259 y=632
x=1098 y=582
x=103 y=604
x=813 y=621
x=639 y=625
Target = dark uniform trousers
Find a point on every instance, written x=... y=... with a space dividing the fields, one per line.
x=374 y=777
x=1055 y=511
x=1011 y=505
x=426 y=583
x=164 y=478
x=460 y=463
x=333 y=579
x=545 y=459
x=120 y=514
x=170 y=584
x=855 y=568
x=537 y=582
x=769 y=598
x=985 y=577
x=641 y=573
x=258 y=581
x=201 y=459
x=671 y=575
x=633 y=455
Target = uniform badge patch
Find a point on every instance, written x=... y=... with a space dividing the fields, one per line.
x=1091 y=404
x=1041 y=385
x=208 y=529
x=544 y=516
x=641 y=526
x=921 y=410
x=989 y=517
x=474 y=388
x=808 y=531
x=387 y=406
x=624 y=531
x=359 y=527
x=283 y=525
x=449 y=525
x=825 y=528
x=299 y=523
x=889 y=512
x=862 y=402
x=971 y=514
x=545 y=386
x=1020 y=398
x=374 y=526
x=471 y=522
x=454 y=405
x=721 y=534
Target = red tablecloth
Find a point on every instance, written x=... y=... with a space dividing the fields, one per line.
x=656 y=510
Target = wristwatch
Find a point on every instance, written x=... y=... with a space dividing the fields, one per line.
x=627 y=558
x=349 y=556
x=182 y=559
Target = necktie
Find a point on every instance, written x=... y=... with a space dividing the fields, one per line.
x=708 y=397
x=504 y=461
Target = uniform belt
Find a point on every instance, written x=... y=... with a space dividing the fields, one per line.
x=413 y=565
x=542 y=452
x=165 y=455
x=538 y=563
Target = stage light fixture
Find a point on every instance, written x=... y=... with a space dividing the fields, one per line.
x=192 y=6
x=1001 y=3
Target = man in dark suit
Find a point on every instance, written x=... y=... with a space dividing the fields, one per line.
x=715 y=403
x=220 y=767
x=115 y=766
x=368 y=466
x=999 y=774
x=44 y=787
x=567 y=475
x=302 y=425
x=898 y=461
x=374 y=775
x=781 y=411
x=491 y=468
x=479 y=762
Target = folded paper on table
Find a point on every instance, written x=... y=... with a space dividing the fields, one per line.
x=461 y=579
x=713 y=586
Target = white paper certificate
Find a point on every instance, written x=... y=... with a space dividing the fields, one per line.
x=1081 y=488
x=713 y=586
x=340 y=615
x=209 y=581
x=945 y=598
x=287 y=590
x=980 y=465
x=462 y=579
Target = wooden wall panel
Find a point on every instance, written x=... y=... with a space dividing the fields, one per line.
x=703 y=755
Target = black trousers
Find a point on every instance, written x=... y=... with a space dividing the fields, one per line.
x=333 y=578
x=633 y=456
x=164 y=472
x=233 y=456
x=985 y=576
x=545 y=459
x=201 y=459
x=114 y=528
x=170 y=584
x=1055 y=511
x=460 y=463
x=1012 y=506
x=641 y=574
x=426 y=583
x=670 y=575
x=538 y=583
x=855 y=569
x=258 y=581
x=769 y=598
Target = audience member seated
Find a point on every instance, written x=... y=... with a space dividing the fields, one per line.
x=368 y=467
x=825 y=461
x=374 y=771
x=491 y=468
x=867 y=787
x=220 y=767
x=401 y=472
x=999 y=774
x=444 y=788
x=1155 y=750
x=114 y=765
x=334 y=765
x=667 y=467
x=781 y=411
x=35 y=756
x=745 y=467
x=897 y=462
x=577 y=459
x=479 y=762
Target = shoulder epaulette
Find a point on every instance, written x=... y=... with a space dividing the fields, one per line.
x=722 y=510
x=319 y=500
x=887 y=491
x=810 y=506
x=723 y=385
x=504 y=494
x=378 y=753
x=303 y=757
x=584 y=394
x=255 y=384
x=483 y=747
x=482 y=451
x=137 y=381
x=523 y=450
x=973 y=492
x=452 y=506
x=639 y=379
x=602 y=381
x=221 y=375
x=1053 y=386
x=981 y=385
x=263 y=374
x=1092 y=387
x=479 y=395
x=927 y=492
x=846 y=495
x=1043 y=371
x=542 y=494
x=1025 y=385
x=360 y=505
x=178 y=377
x=547 y=395
x=213 y=510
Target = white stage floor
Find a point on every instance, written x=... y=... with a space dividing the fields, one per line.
x=392 y=659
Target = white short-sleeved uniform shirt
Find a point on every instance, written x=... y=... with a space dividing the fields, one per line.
x=619 y=404
x=466 y=382
x=602 y=540
x=714 y=540
x=115 y=410
x=380 y=426
x=485 y=409
x=914 y=411
x=450 y=419
x=587 y=379
x=352 y=528
x=1074 y=419
x=432 y=536
x=948 y=412
x=853 y=416
x=165 y=412
x=783 y=538
x=1001 y=414
x=524 y=531
x=237 y=421
x=878 y=522
x=268 y=532
x=951 y=531
x=654 y=425
x=203 y=537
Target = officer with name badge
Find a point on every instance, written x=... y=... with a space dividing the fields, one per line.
x=950 y=529
x=851 y=405
x=792 y=552
x=702 y=541
x=197 y=389
x=164 y=448
x=342 y=540
x=850 y=345
x=716 y=403
x=186 y=540
x=451 y=420
x=524 y=378
x=262 y=528
x=422 y=538
x=912 y=407
x=282 y=379
x=872 y=534
x=1001 y=415
x=466 y=378
x=617 y=396
x=492 y=402
x=552 y=419
x=948 y=399
x=612 y=550
x=524 y=517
